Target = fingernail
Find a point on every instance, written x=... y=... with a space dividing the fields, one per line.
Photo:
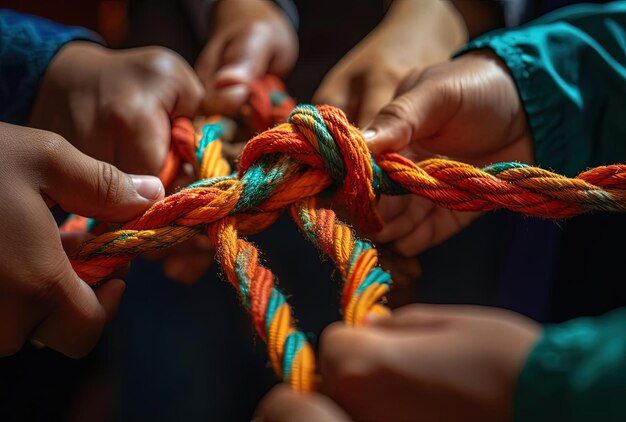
x=149 y=187
x=369 y=134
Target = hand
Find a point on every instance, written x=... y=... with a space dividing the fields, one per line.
x=41 y=297
x=413 y=34
x=467 y=109
x=249 y=39
x=116 y=105
x=282 y=404
x=428 y=362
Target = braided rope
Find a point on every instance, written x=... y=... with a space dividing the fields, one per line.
x=287 y=167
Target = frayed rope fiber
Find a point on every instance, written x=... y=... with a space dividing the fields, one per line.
x=287 y=167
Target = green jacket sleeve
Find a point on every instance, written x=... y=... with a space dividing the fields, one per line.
x=570 y=70
x=576 y=372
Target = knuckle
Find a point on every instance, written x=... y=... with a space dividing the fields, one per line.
x=50 y=150
x=110 y=185
x=259 y=28
x=159 y=62
x=94 y=321
x=399 y=110
x=41 y=284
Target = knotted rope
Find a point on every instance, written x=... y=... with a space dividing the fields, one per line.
x=288 y=166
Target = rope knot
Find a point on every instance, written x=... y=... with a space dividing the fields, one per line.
x=322 y=138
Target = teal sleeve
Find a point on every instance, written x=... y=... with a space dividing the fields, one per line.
x=576 y=372
x=570 y=71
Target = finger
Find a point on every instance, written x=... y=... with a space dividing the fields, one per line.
x=414 y=212
x=146 y=142
x=334 y=90
x=187 y=269
x=352 y=364
x=208 y=61
x=395 y=229
x=414 y=316
x=76 y=323
x=282 y=404
x=171 y=81
x=377 y=92
x=72 y=240
x=415 y=115
x=97 y=189
x=189 y=91
x=246 y=58
x=391 y=207
x=18 y=316
x=422 y=318
x=409 y=81
x=64 y=312
x=439 y=225
x=347 y=353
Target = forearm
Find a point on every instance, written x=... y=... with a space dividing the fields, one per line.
x=27 y=45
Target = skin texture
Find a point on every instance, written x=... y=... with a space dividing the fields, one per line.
x=425 y=362
x=41 y=297
x=249 y=40
x=116 y=105
x=367 y=77
x=468 y=110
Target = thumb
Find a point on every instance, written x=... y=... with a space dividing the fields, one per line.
x=92 y=188
x=409 y=118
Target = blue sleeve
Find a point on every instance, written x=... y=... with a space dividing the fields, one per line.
x=27 y=45
x=570 y=70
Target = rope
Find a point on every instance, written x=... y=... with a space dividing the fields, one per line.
x=317 y=151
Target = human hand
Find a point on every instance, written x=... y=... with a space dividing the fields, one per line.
x=413 y=34
x=282 y=404
x=467 y=109
x=41 y=297
x=427 y=362
x=249 y=40
x=117 y=105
